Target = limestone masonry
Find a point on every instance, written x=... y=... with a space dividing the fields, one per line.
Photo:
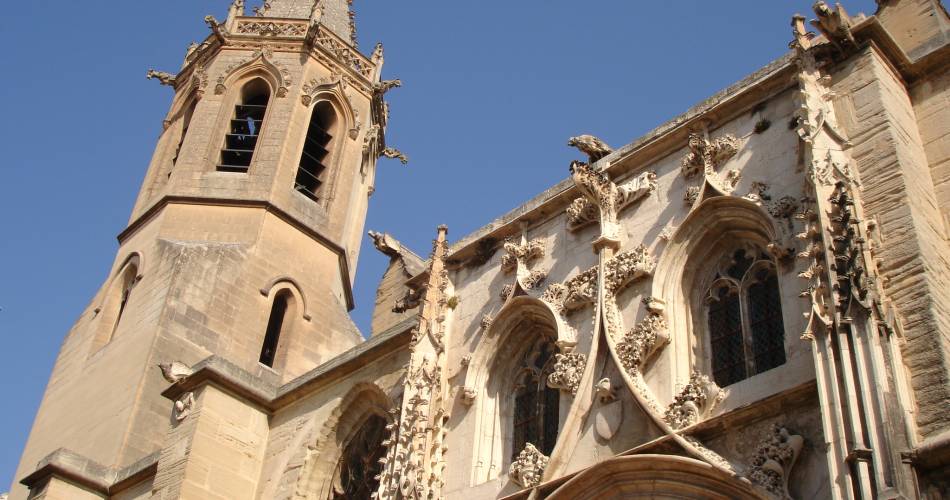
x=751 y=301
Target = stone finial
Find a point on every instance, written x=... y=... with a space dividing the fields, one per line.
x=594 y=148
x=528 y=469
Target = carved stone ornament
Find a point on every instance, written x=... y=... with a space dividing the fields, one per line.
x=594 y=148
x=393 y=153
x=486 y=321
x=506 y=291
x=264 y=56
x=528 y=469
x=693 y=403
x=468 y=395
x=707 y=156
x=604 y=199
x=184 y=406
x=773 y=461
x=271 y=28
x=523 y=253
x=628 y=267
x=568 y=369
x=162 y=77
x=642 y=342
x=835 y=24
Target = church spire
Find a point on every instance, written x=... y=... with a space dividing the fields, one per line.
x=336 y=15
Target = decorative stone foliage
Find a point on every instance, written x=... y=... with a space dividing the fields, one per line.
x=525 y=253
x=606 y=197
x=486 y=321
x=534 y=279
x=568 y=369
x=693 y=403
x=774 y=459
x=706 y=156
x=627 y=267
x=580 y=213
x=641 y=342
x=528 y=469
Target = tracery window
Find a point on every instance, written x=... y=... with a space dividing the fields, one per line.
x=244 y=128
x=744 y=317
x=535 y=404
x=360 y=464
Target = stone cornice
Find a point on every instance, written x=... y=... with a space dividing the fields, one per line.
x=77 y=469
x=317 y=236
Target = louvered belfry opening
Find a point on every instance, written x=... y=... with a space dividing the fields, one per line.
x=316 y=151
x=245 y=127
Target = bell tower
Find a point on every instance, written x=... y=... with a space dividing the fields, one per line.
x=244 y=238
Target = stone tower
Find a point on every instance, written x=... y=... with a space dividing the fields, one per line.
x=244 y=238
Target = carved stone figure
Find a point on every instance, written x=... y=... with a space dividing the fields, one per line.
x=594 y=148
x=528 y=469
x=384 y=86
x=706 y=156
x=694 y=402
x=395 y=154
x=835 y=24
x=608 y=197
x=568 y=369
x=774 y=459
x=175 y=372
x=184 y=406
x=162 y=77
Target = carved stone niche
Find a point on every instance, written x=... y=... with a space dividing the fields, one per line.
x=773 y=461
x=528 y=469
x=694 y=402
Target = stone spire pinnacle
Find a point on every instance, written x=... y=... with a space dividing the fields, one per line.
x=336 y=15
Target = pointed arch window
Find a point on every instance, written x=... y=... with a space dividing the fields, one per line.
x=244 y=127
x=276 y=324
x=744 y=317
x=360 y=465
x=316 y=151
x=185 y=123
x=536 y=406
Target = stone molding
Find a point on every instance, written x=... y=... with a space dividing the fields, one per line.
x=76 y=468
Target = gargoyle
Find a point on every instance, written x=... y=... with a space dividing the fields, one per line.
x=395 y=153
x=385 y=243
x=593 y=147
x=386 y=85
x=162 y=77
x=835 y=24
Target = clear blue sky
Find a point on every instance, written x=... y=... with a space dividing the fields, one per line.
x=493 y=89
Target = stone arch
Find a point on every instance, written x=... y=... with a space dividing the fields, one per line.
x=133 y=258
x=681 y=267
x=653 y=476
x=276 y=285
x=334 y=91
x=108 y=312
x=520 y=319
x=362 y=401
x=260 y=64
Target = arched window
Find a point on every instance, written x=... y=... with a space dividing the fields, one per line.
x=115 y=303
x=744 y=317
x=360 y=464
x=535 y=404
x=124 y=294
x=244 y=127
x=316 y=151
x=279 y=316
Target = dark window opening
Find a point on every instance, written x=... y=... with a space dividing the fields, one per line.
x=536 y=411
x=360 y=465
x=316 y=149
x=244 y=128
x=185 y=123
x=746 y=332
x=274 y=325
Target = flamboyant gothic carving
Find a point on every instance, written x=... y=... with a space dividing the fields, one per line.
x=271 y=28
x=627 y=267
x=707 y=156
x=568 y=369
x=265 y=57
x=693 y=403
x=774 y=459
x=162 y=77
x=606 y=197
x=642 y=342
x=522 y=254
x=594 y=148
x=528 y=469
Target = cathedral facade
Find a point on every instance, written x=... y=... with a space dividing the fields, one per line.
x=750 y=301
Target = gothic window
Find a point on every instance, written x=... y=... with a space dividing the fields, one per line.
x=360 y=464
x=125 y=293
x=316 y=151
x=744 y=317
x=535 y=404
x=275 y=325
x=244 y=127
